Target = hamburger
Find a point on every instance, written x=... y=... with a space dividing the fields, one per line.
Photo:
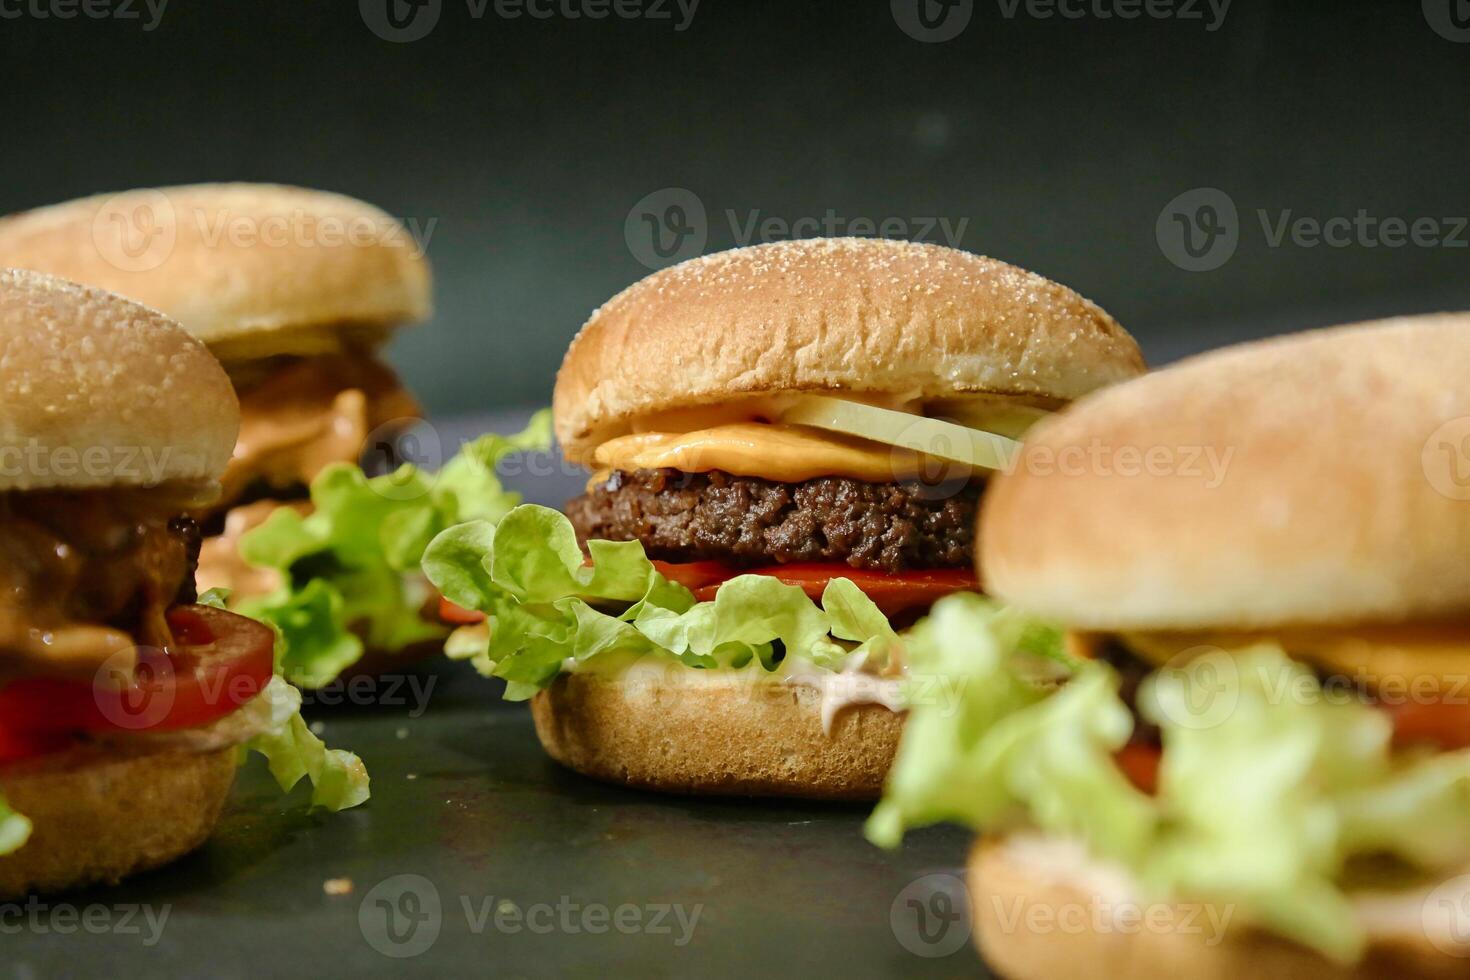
x=124 y=699
x=787 y=445
x=294 y=291
x=1258 y=762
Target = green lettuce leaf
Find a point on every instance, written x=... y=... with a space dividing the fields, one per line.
x=338 y=778
x=993 y=739
x=349 y=568
x=545 y=606
x=1269 y=785
x=15 y=829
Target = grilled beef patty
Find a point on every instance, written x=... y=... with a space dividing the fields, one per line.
x=749 y=521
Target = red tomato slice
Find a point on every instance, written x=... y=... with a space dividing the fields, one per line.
x=1438 y=723
x=221 y=662
x=695 y=575
x=891 y=592
x=458 y=615
x=14 y=746
x=1140 y=763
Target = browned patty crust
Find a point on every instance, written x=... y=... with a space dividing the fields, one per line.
x=749 y=521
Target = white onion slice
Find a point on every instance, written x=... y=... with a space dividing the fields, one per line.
x=932 y=437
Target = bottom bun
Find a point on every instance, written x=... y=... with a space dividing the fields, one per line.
x=683 y=730
x=1042 y=909
x=100 y=816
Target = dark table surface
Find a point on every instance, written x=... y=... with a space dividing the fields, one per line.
x=478 y=854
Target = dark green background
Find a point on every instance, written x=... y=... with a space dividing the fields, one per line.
x=530 y=141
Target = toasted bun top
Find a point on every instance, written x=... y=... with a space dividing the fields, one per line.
x=1317 y=479
x=99 y=391
x=861 y=315
x=253 y=270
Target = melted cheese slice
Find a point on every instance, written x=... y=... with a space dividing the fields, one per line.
x=1435 y=656
x=784 y=453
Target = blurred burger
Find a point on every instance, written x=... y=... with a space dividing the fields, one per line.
x=294 y=291
x=1258 y=763
x=788 y=444
x=123 y=700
